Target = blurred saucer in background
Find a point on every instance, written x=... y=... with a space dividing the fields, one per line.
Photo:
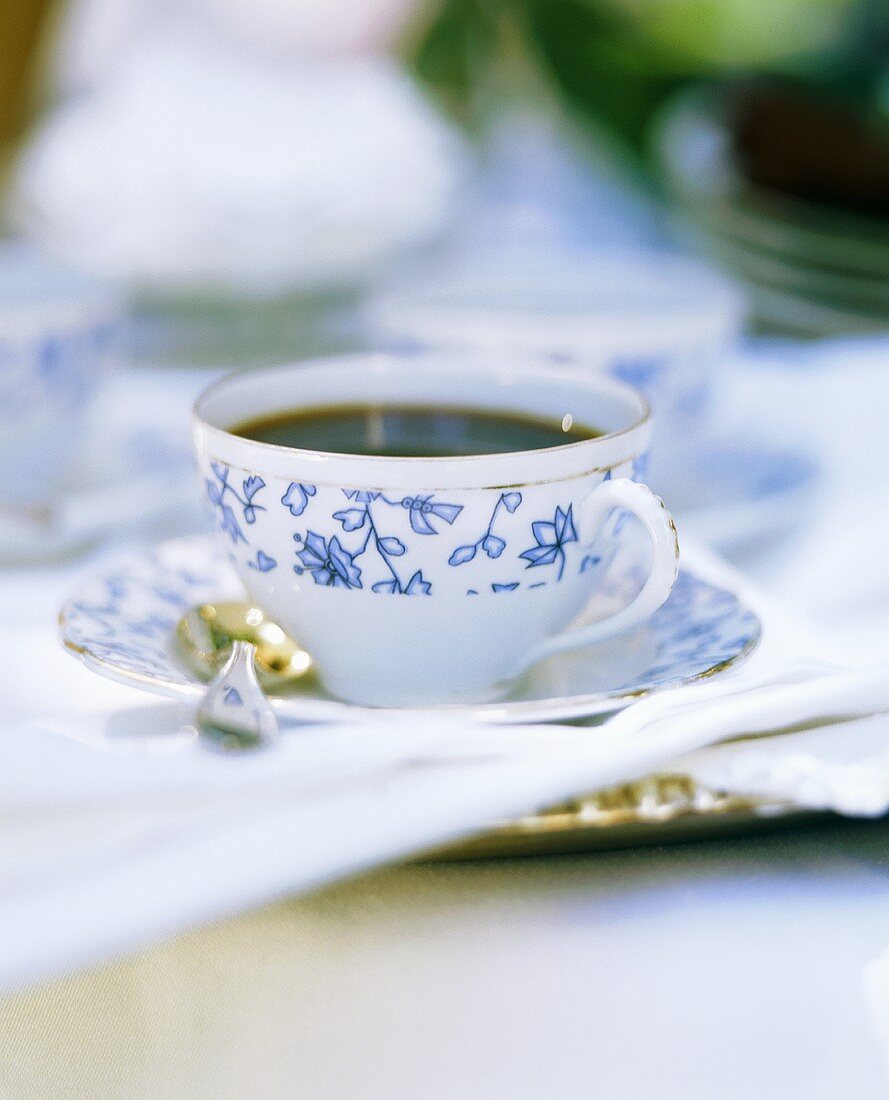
x=813 y=268
x=734 y=494
x=133 y=474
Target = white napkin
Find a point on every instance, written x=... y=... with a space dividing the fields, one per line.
x=132 y=828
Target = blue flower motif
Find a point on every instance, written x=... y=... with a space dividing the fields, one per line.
x=328 y=562
x=423 y=508
x=551 y=539
x=297 y=497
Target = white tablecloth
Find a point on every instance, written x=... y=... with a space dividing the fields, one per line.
x=733 y=968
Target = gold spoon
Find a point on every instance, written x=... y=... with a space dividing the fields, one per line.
x=207 y=633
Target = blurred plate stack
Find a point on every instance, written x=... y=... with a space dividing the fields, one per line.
x=813 y=268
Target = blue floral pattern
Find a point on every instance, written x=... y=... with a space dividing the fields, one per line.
x=396 y=544
x=332 y=564
x=220 y=491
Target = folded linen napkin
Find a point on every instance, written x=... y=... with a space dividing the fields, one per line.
x=118 y=826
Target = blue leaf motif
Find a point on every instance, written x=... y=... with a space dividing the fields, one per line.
x=263 y=563
x=461 y=555
x=297 y=497
x=505 y=587
x=564 y=524
x=252 y=485
x=385 y=586
x=544 y=532
x=229 y=524
x=416 y=586
x=392 y=546
x=493 y=546
x=511 y=501
x=231 y=696
x=351 y=518
x=363 y=496
x=540 y=555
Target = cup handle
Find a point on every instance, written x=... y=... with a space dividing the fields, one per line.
x=650 y=509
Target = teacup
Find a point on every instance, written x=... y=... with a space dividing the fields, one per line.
x=58 y=333
x=417 y=581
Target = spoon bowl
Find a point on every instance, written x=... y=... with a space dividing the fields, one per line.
x=206 y=635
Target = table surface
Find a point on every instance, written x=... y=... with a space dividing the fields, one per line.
x=731 y=968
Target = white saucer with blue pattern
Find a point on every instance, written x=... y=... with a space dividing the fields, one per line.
x=121 y=624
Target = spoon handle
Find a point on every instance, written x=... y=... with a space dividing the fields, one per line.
x=234 y=711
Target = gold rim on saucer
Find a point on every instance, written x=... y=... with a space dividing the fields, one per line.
x=659 y=809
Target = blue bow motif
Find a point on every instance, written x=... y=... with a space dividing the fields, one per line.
x=423 y=509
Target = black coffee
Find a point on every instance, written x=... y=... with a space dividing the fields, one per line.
x=412 y=431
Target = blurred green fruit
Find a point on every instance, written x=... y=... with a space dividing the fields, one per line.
x=702 y=35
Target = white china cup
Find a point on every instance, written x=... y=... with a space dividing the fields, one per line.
x=417 y=581
x=660 y=322
x=58 y=334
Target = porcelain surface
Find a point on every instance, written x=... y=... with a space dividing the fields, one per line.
x=122 y=624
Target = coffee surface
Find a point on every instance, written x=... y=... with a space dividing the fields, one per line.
x=412 y=431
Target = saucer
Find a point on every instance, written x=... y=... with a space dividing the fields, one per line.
x=121 y=624
x=730 y=494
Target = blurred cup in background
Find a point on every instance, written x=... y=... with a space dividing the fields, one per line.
x=58 y=334
x=659 y=321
